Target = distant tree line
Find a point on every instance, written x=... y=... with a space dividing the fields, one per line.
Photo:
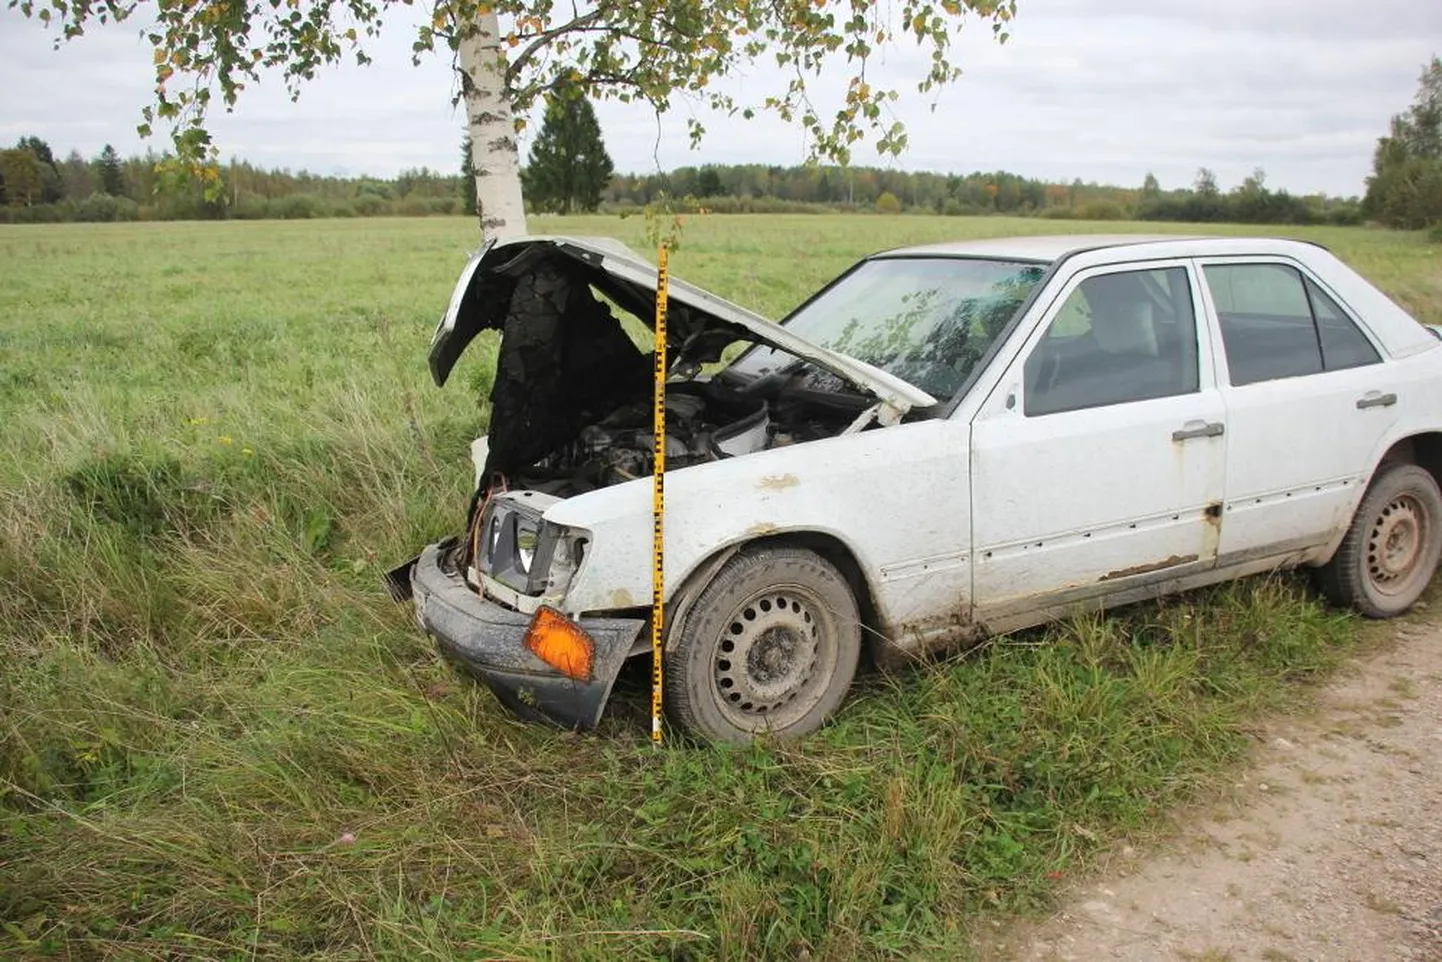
x=35 y=187
x=773 y=189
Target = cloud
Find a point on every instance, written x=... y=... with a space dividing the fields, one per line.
x=1103 y=90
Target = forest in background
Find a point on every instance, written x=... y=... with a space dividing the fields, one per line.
x=40 y=188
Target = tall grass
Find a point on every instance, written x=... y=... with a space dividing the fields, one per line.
x=219 y=739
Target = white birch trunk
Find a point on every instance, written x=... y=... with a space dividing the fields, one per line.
x=493 y=131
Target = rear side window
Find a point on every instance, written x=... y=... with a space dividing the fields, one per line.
x=1277 y=324
x=1343 y=345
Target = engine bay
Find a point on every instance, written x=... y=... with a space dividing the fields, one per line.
x=706 y=420
x=572 y=396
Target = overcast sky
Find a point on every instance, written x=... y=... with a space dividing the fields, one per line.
x=1104 y=90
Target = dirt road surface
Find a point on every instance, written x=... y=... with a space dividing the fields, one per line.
x=1330 y=847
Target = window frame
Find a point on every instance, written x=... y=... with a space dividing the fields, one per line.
x=1309 y=285
x=1203 y=353
x=1222 y=363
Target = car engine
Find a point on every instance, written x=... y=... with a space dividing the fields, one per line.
x=705 y=421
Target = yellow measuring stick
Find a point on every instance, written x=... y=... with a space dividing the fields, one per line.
x=658 y=499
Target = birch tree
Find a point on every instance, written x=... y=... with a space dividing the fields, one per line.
x=509 y=53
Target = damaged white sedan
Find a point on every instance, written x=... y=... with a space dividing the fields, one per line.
x=946 y=442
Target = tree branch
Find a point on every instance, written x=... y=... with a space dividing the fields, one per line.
x=545 y=37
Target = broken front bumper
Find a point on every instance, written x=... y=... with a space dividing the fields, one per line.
x=487 y=640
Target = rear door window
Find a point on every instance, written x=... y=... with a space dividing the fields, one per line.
x=1278 y=324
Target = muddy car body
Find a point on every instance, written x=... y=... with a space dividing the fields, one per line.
x=946 y=442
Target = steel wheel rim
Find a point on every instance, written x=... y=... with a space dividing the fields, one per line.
x=1396 y=544
x=769 y=666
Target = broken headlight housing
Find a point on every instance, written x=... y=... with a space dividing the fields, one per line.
x=516 y=546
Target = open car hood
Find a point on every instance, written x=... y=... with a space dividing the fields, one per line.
x=482 y=297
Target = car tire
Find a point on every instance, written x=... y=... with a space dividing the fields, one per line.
x=769 y=647
x=1390 y=552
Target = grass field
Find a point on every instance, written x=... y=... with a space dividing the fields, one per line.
x=219 y=739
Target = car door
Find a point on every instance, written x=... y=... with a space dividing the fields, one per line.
x=1098 y=459
x=1308 y=403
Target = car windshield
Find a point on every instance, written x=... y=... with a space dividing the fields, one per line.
x=927 y=320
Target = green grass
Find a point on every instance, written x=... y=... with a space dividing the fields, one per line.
x=219 y=739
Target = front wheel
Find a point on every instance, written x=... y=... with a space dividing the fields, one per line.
x=770 y=646
x=1390 y=552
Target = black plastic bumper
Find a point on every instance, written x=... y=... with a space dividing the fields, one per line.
x=487 y=640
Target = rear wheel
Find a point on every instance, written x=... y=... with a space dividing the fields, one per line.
x=770 y=646
x=1390 y=552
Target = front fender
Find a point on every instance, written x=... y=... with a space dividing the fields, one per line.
x=893 y=497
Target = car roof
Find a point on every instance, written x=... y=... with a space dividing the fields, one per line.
x=1049 y=248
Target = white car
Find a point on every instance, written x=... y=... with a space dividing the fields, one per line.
x=945 y=442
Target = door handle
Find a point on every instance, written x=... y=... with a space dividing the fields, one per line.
x=1199 y=429
x=1376 y=399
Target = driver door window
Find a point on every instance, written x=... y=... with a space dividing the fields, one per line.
x=1118 y=338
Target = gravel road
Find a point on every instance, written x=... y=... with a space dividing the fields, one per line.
x=1329 y=848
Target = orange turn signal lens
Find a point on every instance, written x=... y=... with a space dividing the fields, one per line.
x=561 y=643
